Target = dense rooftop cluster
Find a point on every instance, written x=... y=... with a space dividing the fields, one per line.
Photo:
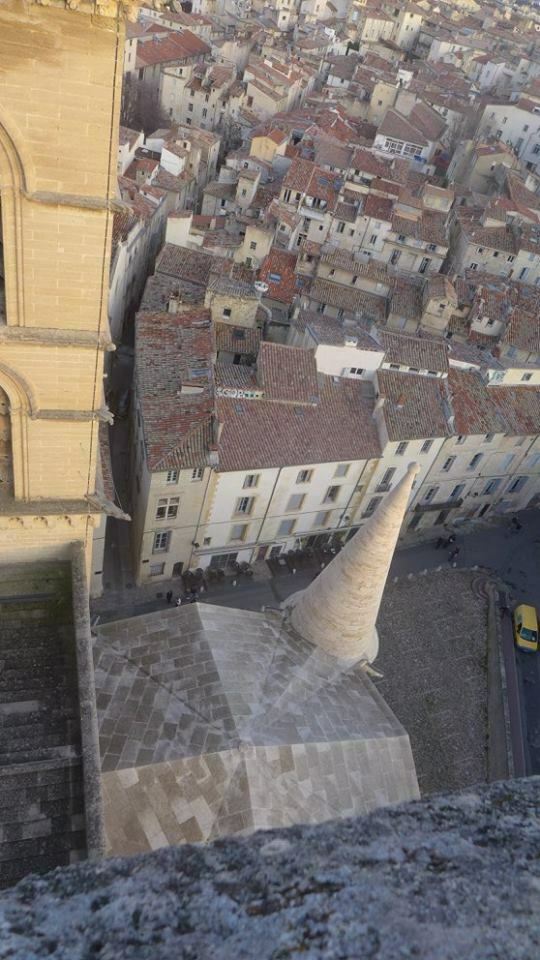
x=349 y=194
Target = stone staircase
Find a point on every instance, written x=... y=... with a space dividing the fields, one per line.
x=42 y=823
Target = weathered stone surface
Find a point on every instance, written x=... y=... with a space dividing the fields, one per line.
x=215 y=721
x=338 y=610
x=456 y=876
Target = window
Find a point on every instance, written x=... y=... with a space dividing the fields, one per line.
x=424 y=265
x=197 y=473
x=190 y=107
x=244 y=505
x=488 y=437
x=372 y=506
x=457 y=491
x=342 y=470
x=251 y=480
x=506 y=461
x=473 y=266
x=322 y=519
x=395 y=366
x=373 y=239
x=340 y=227
x=356 y=371
x=401 y=448
x=286 y=528
x=205 y=112
x=395 y=257
x=172 y=476
x=227 y=312
x=432 y=247
x=415 y=522
x=427 y=444
x=157 y=569
x=167 y=508
x=295 y=502
x=491 y=486
x=460 y=439
x=161 y=541
x=517 y=484
x=448 y=463
x=304 y=476
x=479 y=249
x=526 y=377
x=207 y=541
x=239 y=531
x=510 y=259
x=253 y=245
x=533 y=461
x=332 y=494
x=385 y=483
x=475 y=461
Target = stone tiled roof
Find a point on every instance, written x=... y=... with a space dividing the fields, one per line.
x=519 y=407
x=348 y=298
x=406 y=299
x=398 y=127
x=472 y=402
x=185 y=264
x=420 y=352
x=242 y=737
x=167 y=49
x=380 y=208
x=496 y=238
x=414 y=406
x=278 y=271
x=261 y=433
x=175 y=351
x=287 y=374
x=244 y=340
x=331 y=331
x=523 y=330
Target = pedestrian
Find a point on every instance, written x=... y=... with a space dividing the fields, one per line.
x=451 y=539
x=169 y=596
x=179 y=601
x=454 y=553
x=441 y=542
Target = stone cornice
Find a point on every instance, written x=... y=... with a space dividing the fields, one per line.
x=11 y=509
x=47 y=336
x=101 y=8
x=81 y=201
x=104 y=415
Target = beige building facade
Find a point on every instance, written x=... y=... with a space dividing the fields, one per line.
x=58 y=149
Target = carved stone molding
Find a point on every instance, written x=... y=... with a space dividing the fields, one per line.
x=102 y=8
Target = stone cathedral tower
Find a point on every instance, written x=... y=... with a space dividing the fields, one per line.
x=60 y=78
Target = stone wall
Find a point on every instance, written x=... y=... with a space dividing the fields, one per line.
x=452 y=877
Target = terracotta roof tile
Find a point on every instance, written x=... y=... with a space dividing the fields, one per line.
x=278 y=271
x=172 y=352
x=287 y=374
x=423 y=353
x=472 y=402
x=414 y=407
x=258 y=433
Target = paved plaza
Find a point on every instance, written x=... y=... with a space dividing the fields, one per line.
x=433 y=655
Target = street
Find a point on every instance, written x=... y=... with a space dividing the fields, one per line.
x=511 y=555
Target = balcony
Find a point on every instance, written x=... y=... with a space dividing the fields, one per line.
x=439 y=505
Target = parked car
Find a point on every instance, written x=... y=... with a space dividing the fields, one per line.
x=526 y=628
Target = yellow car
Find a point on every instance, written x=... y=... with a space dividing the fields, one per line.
x=526 y=628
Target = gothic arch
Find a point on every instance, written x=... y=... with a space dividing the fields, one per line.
x=13 y=186
x=20 y=394
x=22 y=406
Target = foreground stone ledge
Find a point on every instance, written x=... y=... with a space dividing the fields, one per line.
x=455 y=876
